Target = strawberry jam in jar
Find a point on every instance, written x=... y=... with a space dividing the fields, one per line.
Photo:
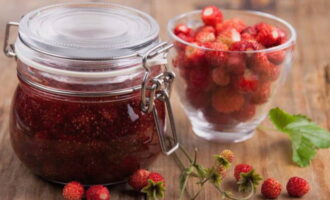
x=93 y=92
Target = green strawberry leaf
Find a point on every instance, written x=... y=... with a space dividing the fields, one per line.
x=248 y=180
x=222 y=161
x=154 y=190
x=306 y=136
x=303 y=151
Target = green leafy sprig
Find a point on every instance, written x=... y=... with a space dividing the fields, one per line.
x=214 y=176
x=306 y=136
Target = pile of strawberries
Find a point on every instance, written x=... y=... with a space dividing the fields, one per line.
x=142 y=180
x=75 y=191
x=224 y=79
x=271 y=188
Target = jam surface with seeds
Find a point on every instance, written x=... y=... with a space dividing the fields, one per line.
x=91 y=140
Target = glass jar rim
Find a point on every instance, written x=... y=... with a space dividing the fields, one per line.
x=30 y=54
x=286 y=44
x=57 y=30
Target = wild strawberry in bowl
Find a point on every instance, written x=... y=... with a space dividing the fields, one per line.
x=229 y=65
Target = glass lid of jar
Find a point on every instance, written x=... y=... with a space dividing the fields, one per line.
x=88 y=31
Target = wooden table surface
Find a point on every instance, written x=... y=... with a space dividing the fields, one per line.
x=306 y=91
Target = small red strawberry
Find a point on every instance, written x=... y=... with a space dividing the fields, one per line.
x=211 y=15
x=236 y=63
x=226 y=100
x=204 y=36
x=156 y=177
x=276 y=57
x=217 y=56
x=282 y=34
x=267 y=35
x=271 y=188
x=199 y=78
x=297 y=187
x=220 y=76
x=247 y=37
x=242 y=168
x=155 y=188
x=181 y=61
x=248 y=82
x=261 y=65
x=229 y=36
x=234 y=23
x=228 y=154
x=245 y=46
x=197 y=98
x=245 y=113
x=139 y=178
x=180 y=46
x=182 y=29
x=261 y=95
x=194 y=54
x=218 y=118
x=251 y=30
x=97 y=192
x=73 y=191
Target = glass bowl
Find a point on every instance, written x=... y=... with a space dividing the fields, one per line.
x=219 y=104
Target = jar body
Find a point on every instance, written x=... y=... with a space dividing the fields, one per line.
x=94 y=140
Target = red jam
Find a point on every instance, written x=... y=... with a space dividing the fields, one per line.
x=94 y=140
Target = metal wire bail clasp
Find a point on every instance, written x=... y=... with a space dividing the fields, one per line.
x=159 y=87
x=9 y=49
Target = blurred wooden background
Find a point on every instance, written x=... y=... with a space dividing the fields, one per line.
x=306 y=91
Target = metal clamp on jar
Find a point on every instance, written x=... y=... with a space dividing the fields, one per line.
x=93 y=93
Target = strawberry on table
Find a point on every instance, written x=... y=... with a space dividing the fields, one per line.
x=98 y=192
x=155 y=188
x=138 y=179
x=73 y=191
x=297 y=187
x=241 y=168
x=271 y=188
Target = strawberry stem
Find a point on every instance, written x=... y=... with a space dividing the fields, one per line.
x=185 y=153
x=229 y=196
